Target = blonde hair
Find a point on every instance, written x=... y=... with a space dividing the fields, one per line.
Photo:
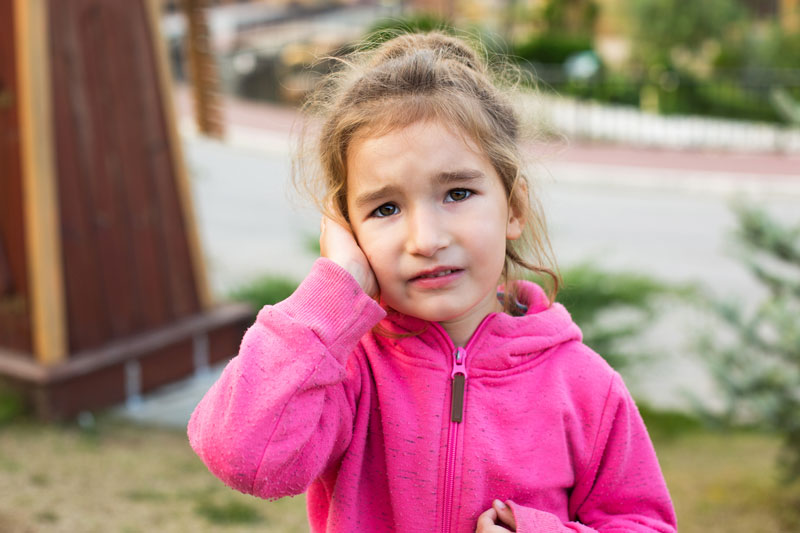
x=417 y=77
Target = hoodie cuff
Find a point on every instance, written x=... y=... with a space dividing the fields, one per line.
x=534 y=521
x=332 y=304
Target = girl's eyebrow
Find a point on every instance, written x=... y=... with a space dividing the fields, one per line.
x=460 y=176
x=369 y=198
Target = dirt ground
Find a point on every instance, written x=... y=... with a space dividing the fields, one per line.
x=120 y=477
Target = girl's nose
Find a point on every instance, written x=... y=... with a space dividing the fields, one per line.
x=426 y=234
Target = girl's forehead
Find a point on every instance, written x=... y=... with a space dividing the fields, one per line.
x=389 y=140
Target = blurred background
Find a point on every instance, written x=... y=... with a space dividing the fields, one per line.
x=146 y=213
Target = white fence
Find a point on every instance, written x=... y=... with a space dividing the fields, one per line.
x=579 y=119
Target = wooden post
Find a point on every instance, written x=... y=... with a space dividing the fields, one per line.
x=203 y=70
x=39 y=184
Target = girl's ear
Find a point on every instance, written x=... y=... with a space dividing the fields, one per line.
x=516 y=210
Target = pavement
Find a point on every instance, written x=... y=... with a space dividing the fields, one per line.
x=662 y=212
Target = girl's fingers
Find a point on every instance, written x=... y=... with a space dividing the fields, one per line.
x=504 y=514
x=486 y=521
x=337 y=243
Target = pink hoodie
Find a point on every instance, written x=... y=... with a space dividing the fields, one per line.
x=317 y=402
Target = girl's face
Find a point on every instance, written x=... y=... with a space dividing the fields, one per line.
x=431 y=215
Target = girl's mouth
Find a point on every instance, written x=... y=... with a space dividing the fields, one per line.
x=438 y=274
x=437 y=278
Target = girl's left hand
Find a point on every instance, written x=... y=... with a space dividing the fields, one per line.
x=488 y=520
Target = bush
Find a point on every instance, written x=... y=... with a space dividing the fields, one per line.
x=758 y=368
x=267 y=290
x=590 y=294
x=658 y=28
x=719 y=98
x=551 y=48
x=385 y=29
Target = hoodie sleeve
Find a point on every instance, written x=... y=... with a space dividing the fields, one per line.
x=282 y=410
x=622 y=490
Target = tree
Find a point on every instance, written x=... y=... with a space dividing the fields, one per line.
x=755 y=360
x=660 y=28
x=574 y=17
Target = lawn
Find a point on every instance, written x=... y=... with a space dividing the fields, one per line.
x=118 y=476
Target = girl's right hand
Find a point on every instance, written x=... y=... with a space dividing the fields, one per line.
x=498 y=512
x=337 y=243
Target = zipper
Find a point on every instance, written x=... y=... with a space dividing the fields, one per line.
x=458 y=381
x=458 y=389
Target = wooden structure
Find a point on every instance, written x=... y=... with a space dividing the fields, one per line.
x=103 y=293
x=203 y=70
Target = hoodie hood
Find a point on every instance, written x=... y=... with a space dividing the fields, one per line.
x=501 y=342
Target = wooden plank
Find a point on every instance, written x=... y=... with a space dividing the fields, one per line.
x=39 y=185
x=166 y=365
x=102 y=388
x=232 y=319
x=95 y=24
x=15 y=331
x=176 y=157
x=178 y=266
x=134 y=82
x=123 y=221
x=99 y=378
x=88 y=322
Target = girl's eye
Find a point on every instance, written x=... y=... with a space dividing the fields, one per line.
x=385 y=210
x=457 y=195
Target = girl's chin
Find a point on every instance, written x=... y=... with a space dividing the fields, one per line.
x=441 y=314
x=446 y=306
x=422 y=314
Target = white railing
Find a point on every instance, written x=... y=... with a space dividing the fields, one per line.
x=579 y=119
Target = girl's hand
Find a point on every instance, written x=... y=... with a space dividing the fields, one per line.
x=338 y=244
x=488 y=520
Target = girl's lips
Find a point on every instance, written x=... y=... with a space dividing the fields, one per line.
x=437 y=278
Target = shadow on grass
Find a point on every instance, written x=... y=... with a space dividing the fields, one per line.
x=229 y=512
x=669 y=425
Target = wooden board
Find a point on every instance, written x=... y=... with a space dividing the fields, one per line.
x=15 y=331
x=127 y=264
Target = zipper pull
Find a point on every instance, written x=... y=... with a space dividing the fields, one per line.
x=459 y=377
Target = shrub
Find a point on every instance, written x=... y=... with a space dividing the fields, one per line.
x=266 y=290
x=659 y=28
x=591 y=294
x=756 y=364
x=388 y=28
x=552 y=48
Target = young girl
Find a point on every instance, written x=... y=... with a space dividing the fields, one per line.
x=398 y=386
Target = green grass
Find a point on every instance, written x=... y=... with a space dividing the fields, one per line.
x=145 y=495
x=147 y=479
x=12 y=405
